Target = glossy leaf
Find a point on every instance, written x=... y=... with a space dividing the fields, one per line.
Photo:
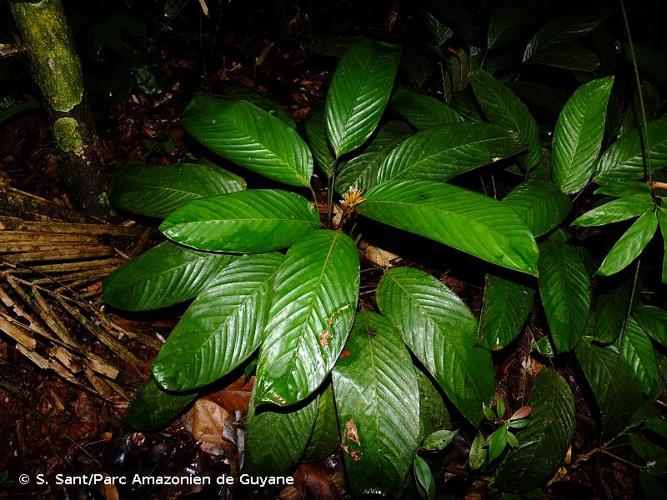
x=276 y=438
x=565 y=289
x=613 y=383
x=377 y=397
x=440 y=331
x=361 y=171
x=325 y=438
x=497 y=443
x=161 y=277
x=578 y=135
x=637 y=351
x=438 y=31
x=152 y=408
x=507 y=304
x=543 y=444
x=313 y=308
x=316 y=136
x=257 y=220
x=624 y=160
x=421 y=111
x=612 y=309
x=241 y=93
x=630 y=245
x=569 y=56
x=222 y=327
x=511 y=19
x=502 y=107
x=540 y=204
x=616 y=210
x=359 y=92
x=566 y=28
x=477 y=454
x=440 y=153
x=424 y=478
x=250 y=137
x=155 y=191
x=653 y=321
x=459 y=218
x=433 y=414
x=438 y=440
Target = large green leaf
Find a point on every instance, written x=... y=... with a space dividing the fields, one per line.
x=613 y=383
x=441 y=153
x=653 y=321
x=433 y=414
x=565 y=289
x=313 y=308
x=421 y=111
x=377 y=396
x=616 y=210
x=161 y=277
x=630 y=245
x=251 y=137
x=222 y=327
x=257 y=220
x=359 y=92
x=611 y=312
x=152 y=409
x=624 y=160
x=155 y=191
x=540 y=204
x=511 y=19
x=638 y=352
x=578 y=135
x=571 y=56
x=316 y=135
x=241 y=93
x=277 y=437
x=441 y=331
x=502 y=107
x=661 y=214
x=507 y=304
x=567 y=28
x=543 y=444
x=462 y=219
x=325 y=438
x=361 y=171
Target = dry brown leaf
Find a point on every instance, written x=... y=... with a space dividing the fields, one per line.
x=205 y=421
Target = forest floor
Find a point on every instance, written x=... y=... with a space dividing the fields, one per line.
x=69 y=365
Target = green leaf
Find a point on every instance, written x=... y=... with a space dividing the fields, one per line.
x=222 y=327
x=497 y=442
x=500 y=408
x=511 y=19
x=637 y=351
x=543 y=444
x=488 y=413
x=155 y=191
x=440 y=331
x=512 y=440
x=257 y=220
x=616 y=210
x=569 y=56
x=624 y=160
x=611 y=312
x=459 y=218
x=566 y=28
x=662 y=221
x=325 y=438
x=377 y=397
x=502 y=107
x=441 y=153
x=361 y=171
x=565 y=289
x=630 y=245
x=161 y=277
x=152 y=408
x=653 y=321
x=314 y=302
x=613 y=383
x=277 y=437
x=424 y=478
x=359 y=92
x=438 y=31
x=540 y=204
x=507 y=304
x=433 y=414
x=477 y=455
x=241 y=93
x=623 y=188
x=438 y=440
x=15 y=108
x=421 y=111
x=578 y=135
x=250 y=137
x=316 y=136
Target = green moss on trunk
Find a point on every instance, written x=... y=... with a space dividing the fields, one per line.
x=67 y=136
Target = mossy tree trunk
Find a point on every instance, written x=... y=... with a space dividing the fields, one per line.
x=56 y=68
